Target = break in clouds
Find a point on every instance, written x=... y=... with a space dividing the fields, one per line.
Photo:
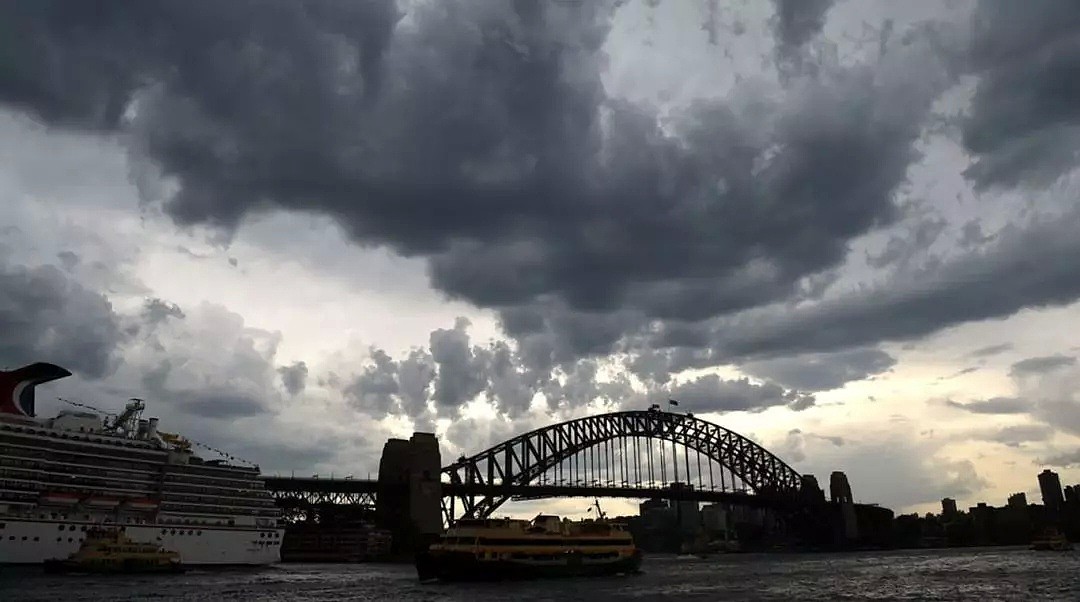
x=617 y=246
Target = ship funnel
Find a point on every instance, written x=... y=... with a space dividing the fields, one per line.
x=144 y=426
x=151 y=429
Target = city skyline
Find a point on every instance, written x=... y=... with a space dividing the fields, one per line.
x=846 y=230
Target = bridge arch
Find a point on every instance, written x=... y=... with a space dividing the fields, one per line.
x=524 y=458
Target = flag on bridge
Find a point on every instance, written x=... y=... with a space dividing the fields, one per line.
x=673 y=402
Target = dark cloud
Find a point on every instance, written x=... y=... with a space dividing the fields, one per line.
x=209 y=364
x=461 y=373
x=797 y=21
x=994 y=405
x=991 y=350
x=1040 y=365
x=46 y=316
x=374 y=389
x=971 y=235
x=440 y=380
x=1016 y=435
x=960 y=372
x=211 y=403
x=478 y=135
x=157 y=310
x=294 y=377
x=285 y=456
x=902 y=248
x=68 y=260
x=822 y=371
x=1024 y=122
x=1036 y=261
x=1063 y=459
x=80 y=65
x=710 y=393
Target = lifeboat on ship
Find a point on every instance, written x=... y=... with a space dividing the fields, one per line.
x=101 y=502
x=59 y=498
x=141 y=504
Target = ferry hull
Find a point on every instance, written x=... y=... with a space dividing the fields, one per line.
x=25 y=541
x=463 y=566
x=61 y=567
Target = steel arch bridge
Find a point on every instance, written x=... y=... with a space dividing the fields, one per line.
x=606 y=451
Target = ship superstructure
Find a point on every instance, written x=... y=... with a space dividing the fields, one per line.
x=61 y=477
x=547 y=546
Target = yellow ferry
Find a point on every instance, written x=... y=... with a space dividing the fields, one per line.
x=111 y=551
x=547 y=546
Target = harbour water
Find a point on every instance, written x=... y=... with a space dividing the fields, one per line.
x=969 y=574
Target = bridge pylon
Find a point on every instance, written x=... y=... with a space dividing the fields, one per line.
x=409 y=501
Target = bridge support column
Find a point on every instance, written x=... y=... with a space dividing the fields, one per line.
x=425 y=487
x=409 y=501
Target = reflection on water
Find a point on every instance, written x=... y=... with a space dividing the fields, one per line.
x=987 y=574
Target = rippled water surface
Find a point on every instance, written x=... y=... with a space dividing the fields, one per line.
x=995 y=574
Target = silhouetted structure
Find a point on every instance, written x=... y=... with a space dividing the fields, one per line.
x=410 y=495
x=1050 y=486
x=839 y=488
x=810 y=492
x=1072 y=494
x=948 y=507
x=1018 y=500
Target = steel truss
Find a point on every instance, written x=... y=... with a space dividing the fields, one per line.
x=505 y=469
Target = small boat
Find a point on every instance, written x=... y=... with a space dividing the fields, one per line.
x=547 y=546
x=111 y=551
x=1051 y=540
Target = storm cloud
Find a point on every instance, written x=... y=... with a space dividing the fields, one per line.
x=1037 y=261
x=479 y=136
x=822 y=371
x=439 y=380
x=294 y=377
x=1024 y=122
x=46 y=316
x=994 y=405
x=1041 y=365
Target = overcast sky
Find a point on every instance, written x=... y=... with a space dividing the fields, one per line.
x=849 y=230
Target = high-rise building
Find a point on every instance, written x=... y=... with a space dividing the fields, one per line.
x=1018 y=500
x=839 y=488
x=1050 y=486
x=948 y=507
x=1072 y=494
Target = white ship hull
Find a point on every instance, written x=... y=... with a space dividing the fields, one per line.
x=29 y=541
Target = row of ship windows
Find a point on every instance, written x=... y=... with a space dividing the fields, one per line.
x=233 y=510
x=122 y=458
x=124 y=470
x=8 y=466
x=34 y=466
x=187 y=522
x=62 y=481
x=17 y=433
x=219 y=500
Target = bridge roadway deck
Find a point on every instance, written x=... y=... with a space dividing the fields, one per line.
x=283 y=485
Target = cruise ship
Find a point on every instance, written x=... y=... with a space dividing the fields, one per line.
x=62 y=477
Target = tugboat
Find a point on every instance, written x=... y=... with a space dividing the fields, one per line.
x=110 y=551
x=546 y=546
x=1051 y=540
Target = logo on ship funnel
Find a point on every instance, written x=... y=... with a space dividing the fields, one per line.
x=17 y=386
